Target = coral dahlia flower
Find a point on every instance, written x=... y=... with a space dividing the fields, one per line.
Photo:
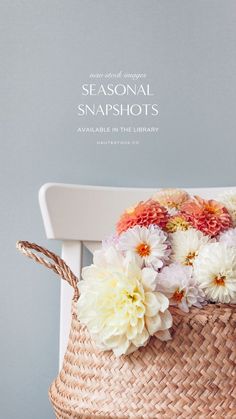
x=208 y=216
x=143 y=214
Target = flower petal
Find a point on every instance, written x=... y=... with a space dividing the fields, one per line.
x=141 y=338
x=153 y=324
x=163 y=335
x=163 y=301
x=122 y=348
x=152 y=304
x=166 y=320
x=149 y=279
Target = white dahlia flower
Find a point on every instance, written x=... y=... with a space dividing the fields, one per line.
x=177 y=283
x=119 y=305
x=215 y=271
x=149 y=245
x=228 y=199
x=110 y=241
x=228 y=237
x=186 y=245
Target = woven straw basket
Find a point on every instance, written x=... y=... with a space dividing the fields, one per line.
x=191 y=376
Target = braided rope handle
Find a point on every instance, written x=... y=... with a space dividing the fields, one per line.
x=59 y=266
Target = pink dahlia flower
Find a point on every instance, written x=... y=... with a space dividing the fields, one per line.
x=143 y=214
x=177 y=283
x=208 y=216
x=228 y=237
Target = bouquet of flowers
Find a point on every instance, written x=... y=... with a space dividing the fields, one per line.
x=171 y=250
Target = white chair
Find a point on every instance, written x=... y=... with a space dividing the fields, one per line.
x=85 y=215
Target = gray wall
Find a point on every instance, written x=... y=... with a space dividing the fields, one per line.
x=48 y=47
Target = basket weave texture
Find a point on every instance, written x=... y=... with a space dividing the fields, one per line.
x=191 y=376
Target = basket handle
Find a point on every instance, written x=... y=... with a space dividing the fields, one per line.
x=59 y=266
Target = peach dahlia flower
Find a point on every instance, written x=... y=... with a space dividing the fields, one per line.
x=143 y=214
x=171 y=199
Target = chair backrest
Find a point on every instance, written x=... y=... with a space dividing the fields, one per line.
x=84 y=215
